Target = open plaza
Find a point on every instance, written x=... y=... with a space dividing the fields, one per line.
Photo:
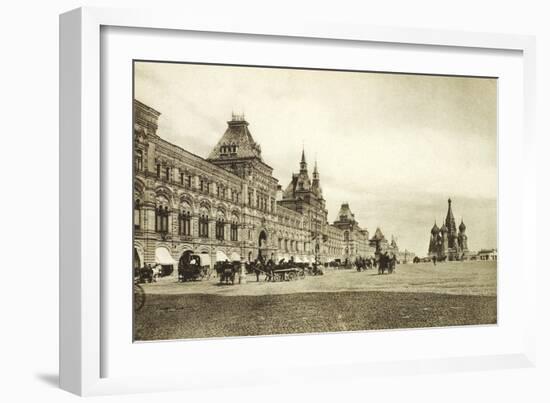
x=414 y=296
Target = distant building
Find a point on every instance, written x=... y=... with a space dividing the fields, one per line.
x=487 y=254
x=447 y=242
x=356 y=239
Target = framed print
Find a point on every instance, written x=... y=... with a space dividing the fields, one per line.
x=243 y=197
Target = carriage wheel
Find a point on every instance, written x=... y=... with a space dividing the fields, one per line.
x=292 y=276
x=139 y=297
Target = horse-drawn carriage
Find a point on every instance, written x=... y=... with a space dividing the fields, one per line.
x=287 y=272
x=227 y=271
x=147 y=274
x=190 y=269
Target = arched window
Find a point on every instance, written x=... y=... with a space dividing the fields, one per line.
x=203 y=226
x=220 y=226
x=184 y=219
x=234 y=233
x=203 y=223
x=137 y=214
x=161 y=219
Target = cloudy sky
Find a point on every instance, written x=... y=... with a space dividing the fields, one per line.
x=394 y=146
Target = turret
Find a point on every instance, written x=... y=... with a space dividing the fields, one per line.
x=462 y=227
x=303 y=163
x=316 y=183
x=450 y=220
x=315 y=172
x=435 y=229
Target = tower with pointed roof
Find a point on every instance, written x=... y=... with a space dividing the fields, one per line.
x=448 y=243
x=304 y=196
x=316 y=183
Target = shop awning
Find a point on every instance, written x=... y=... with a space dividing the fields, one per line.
x=205 y=259
x=235 y=257
x=220 y=256
x=163 y=257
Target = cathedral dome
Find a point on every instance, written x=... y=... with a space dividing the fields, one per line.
x=443 y=228
x=462 y=227
x=435 y=230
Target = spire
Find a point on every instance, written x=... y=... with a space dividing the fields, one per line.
x=450 y=220
x=303 y=163
x=315 y=171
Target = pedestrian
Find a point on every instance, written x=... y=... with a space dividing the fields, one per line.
x=434 y=259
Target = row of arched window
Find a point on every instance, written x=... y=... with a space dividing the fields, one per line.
x=185 y=179
x=290 y=245
x=228 y=149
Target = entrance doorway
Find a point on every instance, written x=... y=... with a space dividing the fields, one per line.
x=262 y=245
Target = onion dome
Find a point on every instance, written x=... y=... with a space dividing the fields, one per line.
x=462 y=227
x=435 y=230
x=443 y=228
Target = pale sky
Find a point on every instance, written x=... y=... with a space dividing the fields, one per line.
x=394 y=146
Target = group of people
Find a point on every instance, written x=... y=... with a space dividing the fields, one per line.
x=385 y=262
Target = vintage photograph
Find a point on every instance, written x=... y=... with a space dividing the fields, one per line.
x=275 y=200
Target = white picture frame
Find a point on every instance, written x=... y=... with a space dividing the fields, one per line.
x=83 y=307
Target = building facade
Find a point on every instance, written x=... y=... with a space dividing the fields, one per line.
x=447 y=242
x=229 y=205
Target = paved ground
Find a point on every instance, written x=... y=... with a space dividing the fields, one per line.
x=422 y=295
x=465 y=278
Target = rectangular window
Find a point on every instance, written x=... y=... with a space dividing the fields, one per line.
x=139 y=160
x=137 y=215
x=185 y=224
x=203 y=227
x=158 y=171
x=234 y=233
x=220 y=230
x=167 y=173
x=182 y=178
x=189 y=178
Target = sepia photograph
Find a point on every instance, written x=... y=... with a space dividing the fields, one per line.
x=277 y=200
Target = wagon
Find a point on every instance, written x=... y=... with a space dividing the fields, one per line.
x=227 y=271
x=190 y=269
x=287 y=273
